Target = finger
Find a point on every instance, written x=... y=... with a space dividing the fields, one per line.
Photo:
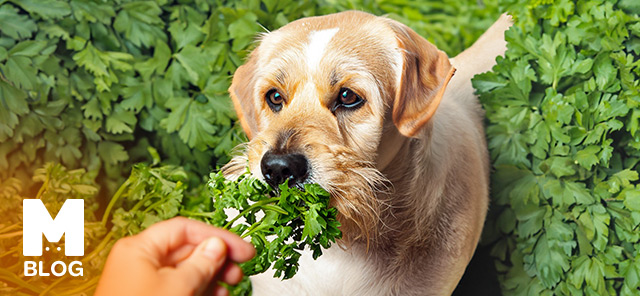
x=204 y=262
x=164 y=237
x=232 y=274
x=220 y=291
x=179 y=255
x=125 y=255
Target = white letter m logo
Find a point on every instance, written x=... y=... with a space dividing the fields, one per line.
x=36 y=221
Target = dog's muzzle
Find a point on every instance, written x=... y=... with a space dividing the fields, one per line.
x=277 y=168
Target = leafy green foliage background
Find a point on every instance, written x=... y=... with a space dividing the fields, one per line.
x=89 y=88
x=563 y=111
x=92 y=84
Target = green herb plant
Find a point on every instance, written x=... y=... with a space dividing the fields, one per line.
x=280 y=223
x=288 y=221
x=563 y=110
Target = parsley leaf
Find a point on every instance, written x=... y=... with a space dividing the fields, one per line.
x=280 y=222
x=562 y=110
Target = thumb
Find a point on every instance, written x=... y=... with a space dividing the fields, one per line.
x=205 y=261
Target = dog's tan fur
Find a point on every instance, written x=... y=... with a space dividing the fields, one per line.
x=408 y=171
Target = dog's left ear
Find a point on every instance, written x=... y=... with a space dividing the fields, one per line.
x=241 y=92
x=426 y=71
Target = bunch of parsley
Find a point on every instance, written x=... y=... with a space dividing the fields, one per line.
x=280 y=222
x=563 y=109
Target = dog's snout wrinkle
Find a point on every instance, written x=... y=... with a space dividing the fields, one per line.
x=284 y=140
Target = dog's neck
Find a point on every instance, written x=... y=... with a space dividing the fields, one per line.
x=406 y=163
x=390 y=147
x=398 y=154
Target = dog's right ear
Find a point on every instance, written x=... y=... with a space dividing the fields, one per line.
x=426 y=71
x=242 y=94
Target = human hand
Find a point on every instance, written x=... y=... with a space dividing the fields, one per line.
x=174 y=257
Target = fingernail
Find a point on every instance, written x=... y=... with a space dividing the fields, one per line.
x=220 y=291
x=215 y=248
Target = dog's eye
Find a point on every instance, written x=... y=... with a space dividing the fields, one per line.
x=274 y=100
x=347 y=99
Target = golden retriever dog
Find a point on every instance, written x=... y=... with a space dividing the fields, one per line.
x=390 y=126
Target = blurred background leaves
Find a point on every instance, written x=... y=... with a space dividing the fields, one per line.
x=81 y=78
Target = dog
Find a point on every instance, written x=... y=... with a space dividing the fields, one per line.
x=391 y=128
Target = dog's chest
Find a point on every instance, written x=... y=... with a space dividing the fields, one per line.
x=336 y=272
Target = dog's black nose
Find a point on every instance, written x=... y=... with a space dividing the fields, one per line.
x=277 y=168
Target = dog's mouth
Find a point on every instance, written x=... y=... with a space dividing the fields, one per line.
x=356 y=188
x=355 y=185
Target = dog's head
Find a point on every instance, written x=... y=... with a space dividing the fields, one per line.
x=314 y=97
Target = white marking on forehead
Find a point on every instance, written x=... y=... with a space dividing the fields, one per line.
x=398 y=59
x=318 y=41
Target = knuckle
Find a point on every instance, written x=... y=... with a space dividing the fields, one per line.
x=124 y=244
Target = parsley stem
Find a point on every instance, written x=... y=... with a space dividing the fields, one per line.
x=11 y=234
x=10 y=227
x=155 y=204
x=9 y=252
x=163 y=200
x=113 y=201
x=196 y=214
x=12 y=278
x=140 y=203
x=83 y=288
x=44 y=185
x=250 y=208
x=255 y=227
x=53 y=285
